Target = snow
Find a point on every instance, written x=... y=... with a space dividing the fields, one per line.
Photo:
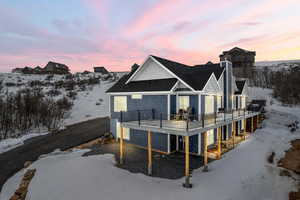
x=11 y=143
x=277 y=65
x=85 y=106
x=242 y=173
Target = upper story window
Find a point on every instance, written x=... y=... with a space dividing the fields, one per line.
x=209 y=104
x=183 y=102
x=219 y=102
x=120 y=103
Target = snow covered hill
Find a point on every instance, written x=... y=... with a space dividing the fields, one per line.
x=241 y=174
x=91 y=102
x=277 y=65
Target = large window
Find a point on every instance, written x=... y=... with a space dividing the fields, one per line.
x=120 y=103
x=210 y=137
x=126 y=132
x=184 y=102
x=219 y=102
x=243 y=101
x=209 y=104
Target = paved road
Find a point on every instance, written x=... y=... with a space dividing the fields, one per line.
x=13 y=160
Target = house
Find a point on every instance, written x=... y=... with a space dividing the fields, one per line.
x=173 y=107
x=102 y=70
x=56 y=68
x=17 y=70
x=241 y=59
x=38 y=70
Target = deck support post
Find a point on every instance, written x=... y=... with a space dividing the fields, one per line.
x=252 y=124
x=257 y=121
x=219 y=142
x=121 y=146
x=205 y=169
x=187 y=183
x=245 y=128
x=233 y=133
x=149 y=154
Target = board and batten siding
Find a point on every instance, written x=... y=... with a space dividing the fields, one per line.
x=151 y=71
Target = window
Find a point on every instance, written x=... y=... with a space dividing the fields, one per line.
x=120 y=103
x=219 y=101
x=184 y=102
x=126 y=132
x=243 y=102
x=136 y=96
x=210 y=137
x=209 y=104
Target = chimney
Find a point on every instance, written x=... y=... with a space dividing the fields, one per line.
x=228 y=85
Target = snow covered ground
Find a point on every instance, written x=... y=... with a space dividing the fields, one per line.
x=8 y=144
x=241 y=174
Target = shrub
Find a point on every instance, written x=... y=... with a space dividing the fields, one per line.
x=72 y=95
x=10 y=84
x=53 y=92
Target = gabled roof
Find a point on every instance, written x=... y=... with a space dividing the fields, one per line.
x=195 y=77
x=240 y=85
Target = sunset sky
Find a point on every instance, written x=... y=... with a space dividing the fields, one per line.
x=118 y=33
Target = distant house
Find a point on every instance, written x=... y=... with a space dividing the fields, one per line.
x=56 y=68
x=27 y=70
x=17 y=70
x=38 y=70
x=102 y=70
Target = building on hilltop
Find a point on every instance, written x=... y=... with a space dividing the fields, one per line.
x=56 y=68
x=242 y=61
x=102 y=70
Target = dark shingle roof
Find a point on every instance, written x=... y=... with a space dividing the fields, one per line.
x=143 y=86
x=195 y=76
x=240 y=85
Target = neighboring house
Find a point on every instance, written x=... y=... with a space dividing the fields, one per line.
x=56 y=68
x=38 y=70
x=102 y=70
x=241 y=59
x=17 y=70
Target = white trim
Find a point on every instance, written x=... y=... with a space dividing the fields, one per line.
x=173 y=74
x=212 y=76
x=173 y=88
x=169 y=143
x=131 y=77
x=169 y=105
x=145 y=93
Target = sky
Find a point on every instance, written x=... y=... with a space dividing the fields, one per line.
x=118 y=33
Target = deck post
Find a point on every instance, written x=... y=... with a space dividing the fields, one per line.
x=219 y=142
x=233 y=133
x=245 y=128
x=121 y=146
x=252 y=124
x=187 y=183
x=257 y=121
x=149 y=154
x=205 y=169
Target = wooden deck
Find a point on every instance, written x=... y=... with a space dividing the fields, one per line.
x=181 y=127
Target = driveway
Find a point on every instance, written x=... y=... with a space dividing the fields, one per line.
x=12 y=161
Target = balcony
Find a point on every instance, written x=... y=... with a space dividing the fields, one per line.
x=181 y=125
